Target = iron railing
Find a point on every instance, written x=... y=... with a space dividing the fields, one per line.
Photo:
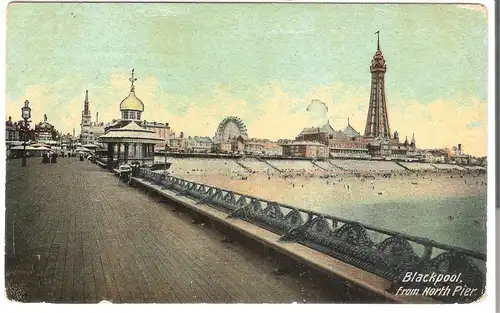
x=386 y=253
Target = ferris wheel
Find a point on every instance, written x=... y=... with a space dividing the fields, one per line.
x=230 y=127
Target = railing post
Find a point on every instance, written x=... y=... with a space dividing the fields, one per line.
x=298 y=232
x=427 y=253
x=207 y=198
x=241 y=212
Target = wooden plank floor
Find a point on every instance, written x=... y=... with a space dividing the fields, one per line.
x=80 y=235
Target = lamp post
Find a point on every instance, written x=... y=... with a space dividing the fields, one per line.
x=26 y=115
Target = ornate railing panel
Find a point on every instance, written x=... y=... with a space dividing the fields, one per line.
x=350 y=241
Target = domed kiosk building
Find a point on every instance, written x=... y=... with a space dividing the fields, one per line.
x=128 y=142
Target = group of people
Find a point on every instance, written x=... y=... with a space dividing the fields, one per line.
x=49 y=157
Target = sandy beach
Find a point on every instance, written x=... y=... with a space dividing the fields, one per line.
x=302 y=189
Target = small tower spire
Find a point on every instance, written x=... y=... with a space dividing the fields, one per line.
x=348 y=124
x=378 y=40
x=132 y=79
x=86 y=104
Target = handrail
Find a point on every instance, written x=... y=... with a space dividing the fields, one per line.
x=391 y=258
x=420 y=240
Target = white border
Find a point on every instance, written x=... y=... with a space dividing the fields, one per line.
x=486 y=305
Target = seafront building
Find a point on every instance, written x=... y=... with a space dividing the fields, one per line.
x=198 y=144
x=305 y=149
x=162 y=130
x=13 y=130
x=96 y=131
x=254 y=147
x=223 y=147
x=176 y=143
x=183 y=144
x=45 y=132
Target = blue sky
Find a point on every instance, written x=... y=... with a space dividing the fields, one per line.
x=197 y=63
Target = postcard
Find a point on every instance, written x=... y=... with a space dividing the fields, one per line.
x=246 y=152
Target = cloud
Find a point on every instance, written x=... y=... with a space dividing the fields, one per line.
x=444 y=123
x=273 y=114
x=318 y=110
x=473 y=124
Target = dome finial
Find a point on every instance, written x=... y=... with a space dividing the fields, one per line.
x=132 y=79
x=132 y=102
x=378 y=40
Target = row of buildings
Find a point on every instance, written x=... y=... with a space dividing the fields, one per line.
x=43 y=132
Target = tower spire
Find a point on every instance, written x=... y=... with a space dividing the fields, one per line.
x=132 y=79
x=86 y=104
x=377 y=120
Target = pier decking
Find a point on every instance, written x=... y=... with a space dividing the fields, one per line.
x=83 y=236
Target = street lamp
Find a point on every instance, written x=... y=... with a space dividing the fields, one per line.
x=26 y=115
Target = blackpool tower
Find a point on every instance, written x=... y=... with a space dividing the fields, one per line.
x=377 y=121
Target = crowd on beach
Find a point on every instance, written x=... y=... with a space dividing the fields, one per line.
x=297 y=177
